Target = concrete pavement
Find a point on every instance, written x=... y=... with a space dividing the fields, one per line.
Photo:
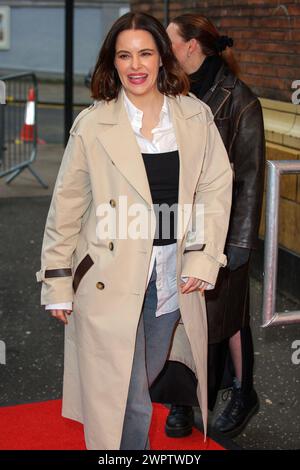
x=25 y=185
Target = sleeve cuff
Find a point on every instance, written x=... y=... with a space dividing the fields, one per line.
x=61 y=306
x=201 y=265
x=209 y=286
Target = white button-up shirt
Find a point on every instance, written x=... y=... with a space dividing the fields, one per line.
x=163 y=140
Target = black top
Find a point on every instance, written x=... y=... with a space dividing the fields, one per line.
x=203 y=79
x=163 y=176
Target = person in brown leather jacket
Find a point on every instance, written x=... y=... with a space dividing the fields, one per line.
x=207 y=58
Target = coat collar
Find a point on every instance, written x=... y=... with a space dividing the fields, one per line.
x=113 y=112
x=221 y=90
x=116 y=136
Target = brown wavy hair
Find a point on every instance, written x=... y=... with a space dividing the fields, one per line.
x=193 y=26
x=171 y=80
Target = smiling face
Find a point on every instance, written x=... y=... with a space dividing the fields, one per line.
x=137 y=61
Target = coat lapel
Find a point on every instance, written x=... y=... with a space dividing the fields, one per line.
x=116 y=136
x=216 y=99
x=191 y=141
x=219 y=93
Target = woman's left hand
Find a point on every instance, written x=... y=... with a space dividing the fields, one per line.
x=193 y=284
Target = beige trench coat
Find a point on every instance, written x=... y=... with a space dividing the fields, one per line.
x=106 y=278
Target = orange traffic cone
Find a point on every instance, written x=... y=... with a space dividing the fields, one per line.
x=27 y=131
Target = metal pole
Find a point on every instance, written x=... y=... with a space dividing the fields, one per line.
x=271 y=239
x=166 y=12
x=69 y=27
x=270 y=316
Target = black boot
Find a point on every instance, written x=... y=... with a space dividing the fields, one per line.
x=241 y=407
x=179 y=421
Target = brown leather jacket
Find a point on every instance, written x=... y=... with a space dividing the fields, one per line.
x=238 y=116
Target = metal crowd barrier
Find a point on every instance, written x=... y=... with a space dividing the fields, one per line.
x=18 y=144
x=270 y=316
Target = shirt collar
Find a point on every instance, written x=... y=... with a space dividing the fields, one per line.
x=136 y=115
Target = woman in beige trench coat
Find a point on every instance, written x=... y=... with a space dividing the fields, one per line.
x=95 y=282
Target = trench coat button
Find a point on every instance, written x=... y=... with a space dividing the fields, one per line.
x=112 y=203
x=100 y=285
x=111 y=246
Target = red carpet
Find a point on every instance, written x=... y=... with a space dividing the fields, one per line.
x=40 y=426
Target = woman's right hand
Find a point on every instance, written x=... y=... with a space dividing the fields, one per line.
x=61 y=315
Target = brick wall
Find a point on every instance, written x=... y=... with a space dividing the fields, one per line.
x=266 y=35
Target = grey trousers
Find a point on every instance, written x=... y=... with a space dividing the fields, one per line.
x=153 y=340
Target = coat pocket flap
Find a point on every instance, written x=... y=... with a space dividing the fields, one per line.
x=85 y=264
